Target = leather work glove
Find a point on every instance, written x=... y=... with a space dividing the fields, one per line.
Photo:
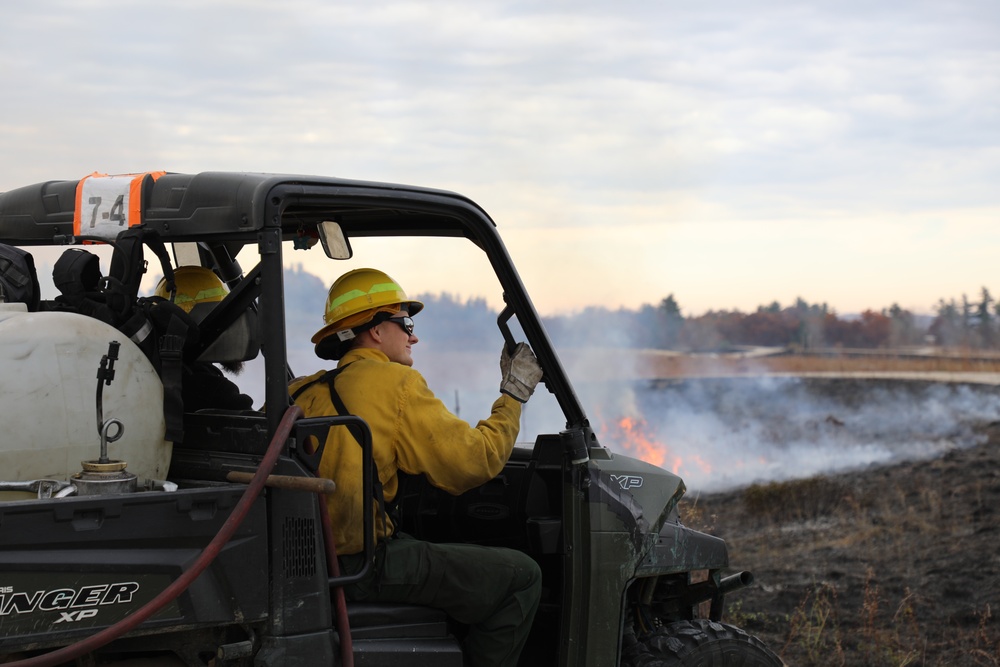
x=520 y=372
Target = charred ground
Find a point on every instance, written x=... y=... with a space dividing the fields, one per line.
x=895 y=565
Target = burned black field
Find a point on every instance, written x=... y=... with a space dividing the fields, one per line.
x=893 y=562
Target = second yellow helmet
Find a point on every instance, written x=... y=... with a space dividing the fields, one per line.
x=195 y=285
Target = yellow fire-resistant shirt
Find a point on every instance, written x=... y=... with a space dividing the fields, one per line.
x=412 y=431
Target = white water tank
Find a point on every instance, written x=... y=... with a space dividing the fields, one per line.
x=48 y=391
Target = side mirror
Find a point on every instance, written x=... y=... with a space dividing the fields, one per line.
x=335 y=243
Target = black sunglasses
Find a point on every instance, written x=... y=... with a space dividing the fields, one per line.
x=405 y=323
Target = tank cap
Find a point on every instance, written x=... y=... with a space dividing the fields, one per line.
x=107 y=466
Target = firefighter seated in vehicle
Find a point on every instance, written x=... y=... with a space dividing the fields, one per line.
x=203 y=385
x=369 y=329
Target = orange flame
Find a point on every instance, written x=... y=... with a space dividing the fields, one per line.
x=632 y=435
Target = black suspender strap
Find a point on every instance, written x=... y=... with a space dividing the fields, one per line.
x=171 y=350
x=329 y=378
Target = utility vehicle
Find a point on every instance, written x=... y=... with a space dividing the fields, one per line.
x=136 y=529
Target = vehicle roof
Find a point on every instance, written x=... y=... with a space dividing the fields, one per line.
x=235 y=208
x=190 y=207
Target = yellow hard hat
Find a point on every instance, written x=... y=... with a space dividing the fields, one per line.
x=358 y=291
x=195 y=285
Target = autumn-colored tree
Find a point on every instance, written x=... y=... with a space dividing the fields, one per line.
x=767 y=327
x=874 y=329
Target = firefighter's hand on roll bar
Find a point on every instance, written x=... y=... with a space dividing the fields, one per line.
x=520 y=372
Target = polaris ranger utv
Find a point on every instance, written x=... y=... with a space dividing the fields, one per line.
x=166 y=534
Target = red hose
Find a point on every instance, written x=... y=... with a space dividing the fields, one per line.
x=333 y=569
x=179 y=585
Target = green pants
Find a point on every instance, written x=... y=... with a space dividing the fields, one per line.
x=494 y=591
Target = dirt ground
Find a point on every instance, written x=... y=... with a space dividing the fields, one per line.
x=898 y=565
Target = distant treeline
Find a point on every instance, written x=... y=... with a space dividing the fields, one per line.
x=450 y=322
x=468 y=324
x=965 y=323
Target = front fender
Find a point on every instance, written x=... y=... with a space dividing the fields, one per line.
x=682 y=549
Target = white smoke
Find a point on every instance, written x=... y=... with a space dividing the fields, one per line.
x=720 y=433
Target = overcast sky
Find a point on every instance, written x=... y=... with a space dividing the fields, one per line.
x=731 y=153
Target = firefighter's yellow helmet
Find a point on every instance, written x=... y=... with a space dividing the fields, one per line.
x=357 y=292
x=195 y=285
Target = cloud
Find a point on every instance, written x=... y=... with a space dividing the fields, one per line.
x=567 y=121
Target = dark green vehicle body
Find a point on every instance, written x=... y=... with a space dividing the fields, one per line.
x=603 y=527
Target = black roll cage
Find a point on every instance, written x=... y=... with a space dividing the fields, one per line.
x=225 y=210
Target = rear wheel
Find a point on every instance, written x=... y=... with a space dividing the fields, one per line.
x=699 y=643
